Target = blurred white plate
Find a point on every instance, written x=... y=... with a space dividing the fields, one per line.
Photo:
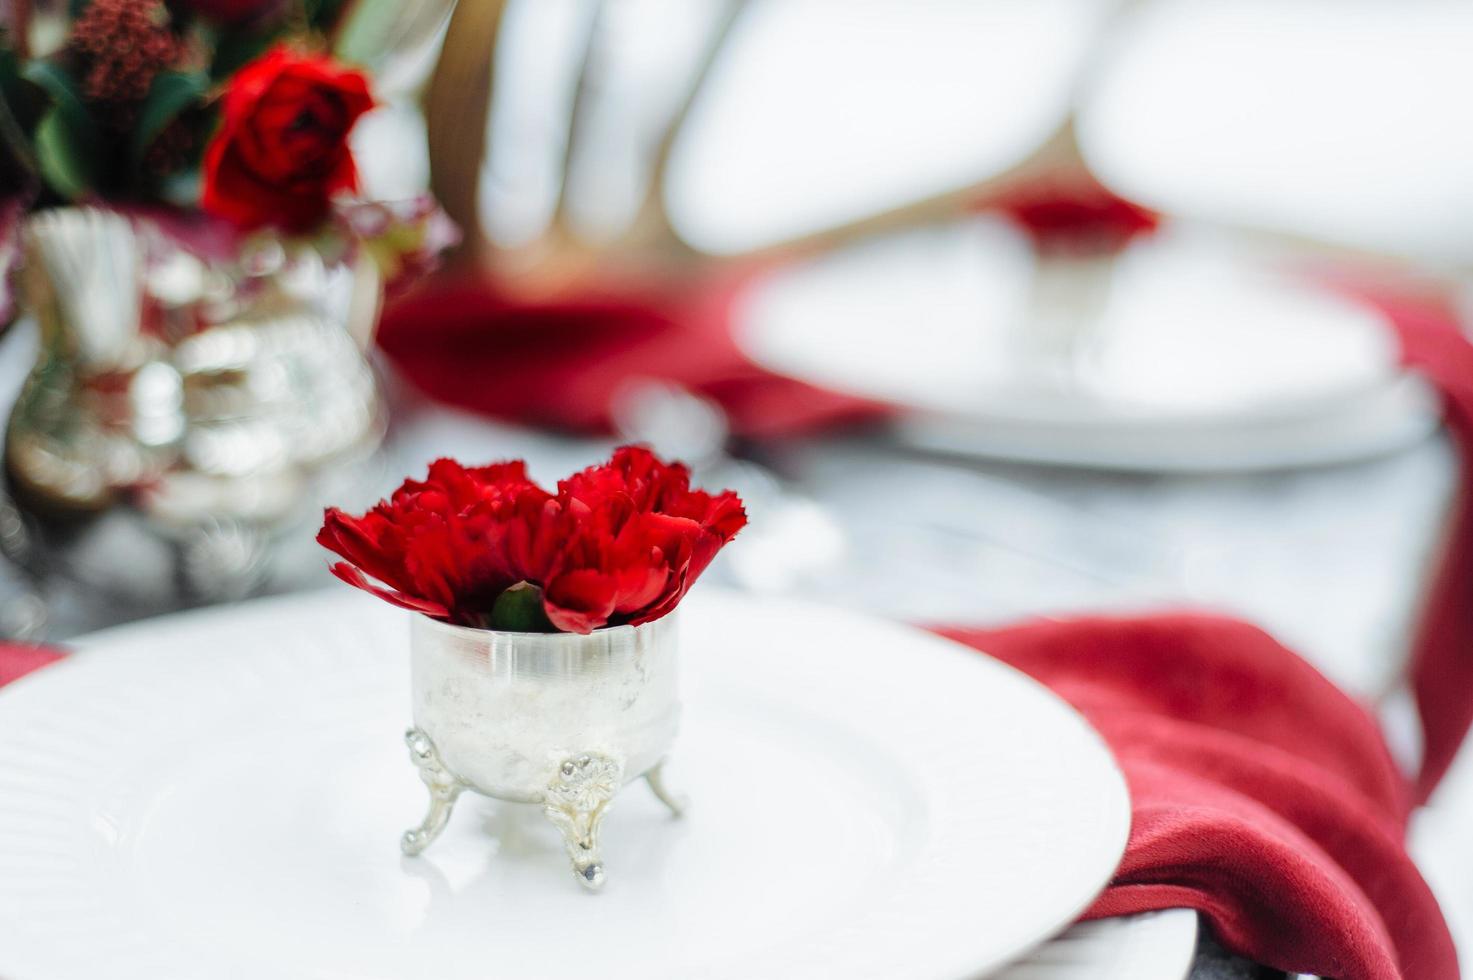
x=220 y=794
x=1201 y=359
x=820 y=113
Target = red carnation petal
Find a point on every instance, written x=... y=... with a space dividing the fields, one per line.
x=727 y=516
x=354 y=577
x=642 y=587
x=580 y=601
x=353 y=540
x=621 y=542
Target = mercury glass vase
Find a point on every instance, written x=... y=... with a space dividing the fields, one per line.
x=189 y=409
x=559 y=720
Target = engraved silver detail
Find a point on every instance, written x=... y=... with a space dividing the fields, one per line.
x=444 y=790
x=577 y=799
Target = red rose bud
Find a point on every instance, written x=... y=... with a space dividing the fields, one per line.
x=1088 y=220
x=281 y=152
x=618 y=543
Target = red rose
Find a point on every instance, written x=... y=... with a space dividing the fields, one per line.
x=618 y=543
x=282 y=148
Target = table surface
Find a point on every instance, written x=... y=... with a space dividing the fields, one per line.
x=1330 y=559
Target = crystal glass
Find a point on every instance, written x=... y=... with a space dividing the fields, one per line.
x=560 y=720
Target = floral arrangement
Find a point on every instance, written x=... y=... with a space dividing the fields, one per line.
x=487 y=547
x=231 y=114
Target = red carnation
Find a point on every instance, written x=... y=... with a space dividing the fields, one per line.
x=619 y=543
x=282 y=149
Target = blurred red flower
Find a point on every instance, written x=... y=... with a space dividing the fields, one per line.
x=281 y=152
x=1079 y=220
x=618 y=543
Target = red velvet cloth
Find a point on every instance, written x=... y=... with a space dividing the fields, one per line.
x=1434 y=344
x=559 y=363
x=1262 y=796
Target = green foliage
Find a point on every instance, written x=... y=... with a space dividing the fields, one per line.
x=15 y=113
x=323 y=15
x=66 y=166
x=172 y=92
x=233 y=49
x=11 y=87
x=67 y=142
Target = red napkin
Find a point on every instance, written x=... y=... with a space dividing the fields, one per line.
x=1262 y=796
x=560 y=362
x=1434 y=344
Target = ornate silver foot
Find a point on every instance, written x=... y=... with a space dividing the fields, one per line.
x=577 y=799
x=677 y=802
x=444 y=790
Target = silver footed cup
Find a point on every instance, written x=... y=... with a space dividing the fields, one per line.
x=559 y=720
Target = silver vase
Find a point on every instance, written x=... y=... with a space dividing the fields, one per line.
x=559 y=720
x=185 y=416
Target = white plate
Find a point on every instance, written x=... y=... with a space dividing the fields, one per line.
x=1202 y=357
x=220 y=794
x=1152 y=946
